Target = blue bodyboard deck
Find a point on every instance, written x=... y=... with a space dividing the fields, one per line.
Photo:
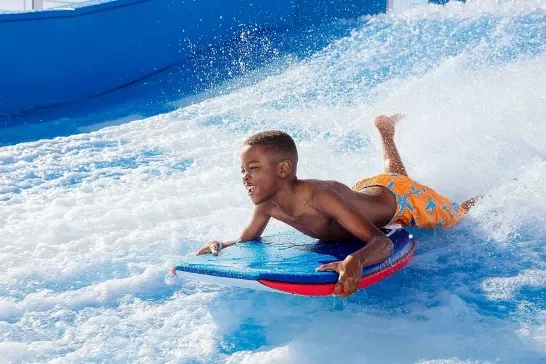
x=290 y=261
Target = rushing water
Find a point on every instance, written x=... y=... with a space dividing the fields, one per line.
x=91 y=222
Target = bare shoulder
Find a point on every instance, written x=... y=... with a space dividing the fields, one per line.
x=327 y=187
x=325 y=190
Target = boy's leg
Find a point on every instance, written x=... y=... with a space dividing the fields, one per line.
x=391 y=158
x=470 y=202
x=393 y=164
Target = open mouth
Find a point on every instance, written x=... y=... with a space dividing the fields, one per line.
x=250 y=189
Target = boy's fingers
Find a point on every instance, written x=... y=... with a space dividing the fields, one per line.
x=347 y=292
x=203 y=250
x=329 y=266
x=338 y=288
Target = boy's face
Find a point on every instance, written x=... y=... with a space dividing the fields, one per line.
x=261 y=172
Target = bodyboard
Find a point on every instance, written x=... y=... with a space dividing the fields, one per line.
x=287 y=263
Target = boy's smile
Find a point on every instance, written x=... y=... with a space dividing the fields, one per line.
x=259 y=173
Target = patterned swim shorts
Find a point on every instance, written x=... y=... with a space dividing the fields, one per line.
x=418 y=205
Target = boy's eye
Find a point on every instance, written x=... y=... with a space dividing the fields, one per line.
x=253 y=168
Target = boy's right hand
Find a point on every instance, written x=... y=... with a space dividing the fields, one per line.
x=212 y=246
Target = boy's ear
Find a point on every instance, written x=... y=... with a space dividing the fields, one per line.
x=285 y=167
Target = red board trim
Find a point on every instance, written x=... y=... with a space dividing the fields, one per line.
x=328 y=288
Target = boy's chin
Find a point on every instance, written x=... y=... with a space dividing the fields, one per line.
x=256 y=200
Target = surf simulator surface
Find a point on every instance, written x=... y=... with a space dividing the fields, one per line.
x=94 y=220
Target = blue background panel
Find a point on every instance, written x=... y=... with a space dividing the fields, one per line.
x=57 y=56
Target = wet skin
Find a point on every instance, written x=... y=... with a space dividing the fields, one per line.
x=295 y=202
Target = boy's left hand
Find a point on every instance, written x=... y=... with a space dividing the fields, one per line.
x=350 y=275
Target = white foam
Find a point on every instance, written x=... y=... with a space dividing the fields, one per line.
x=505 y=288
x=91 y=223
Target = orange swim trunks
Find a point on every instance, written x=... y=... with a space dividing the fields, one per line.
x=418 y=205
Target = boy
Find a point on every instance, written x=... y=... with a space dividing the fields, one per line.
x=329 y=210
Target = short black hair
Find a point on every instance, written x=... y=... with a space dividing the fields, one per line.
x=276 y=141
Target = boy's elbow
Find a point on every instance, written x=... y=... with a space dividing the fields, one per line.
x=249 y=237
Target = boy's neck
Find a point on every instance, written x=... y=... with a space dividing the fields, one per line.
x=287 y=196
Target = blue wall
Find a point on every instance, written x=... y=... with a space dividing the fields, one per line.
x=56 y=56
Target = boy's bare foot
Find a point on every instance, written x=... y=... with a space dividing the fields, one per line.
x=386 y=123
x=470 y=202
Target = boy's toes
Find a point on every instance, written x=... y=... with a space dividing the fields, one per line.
x=398 y=117
x=383 y=121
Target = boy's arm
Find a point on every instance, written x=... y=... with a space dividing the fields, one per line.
x=252 y=231
x=377 y=249
x=255 y=227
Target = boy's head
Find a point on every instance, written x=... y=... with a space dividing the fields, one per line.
x=267 y=159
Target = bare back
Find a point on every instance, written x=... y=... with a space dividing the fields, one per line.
x=376 y=204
